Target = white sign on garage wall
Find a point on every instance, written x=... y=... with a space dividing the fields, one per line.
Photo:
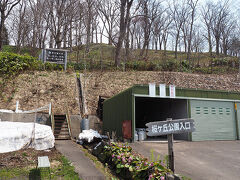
x=152 y=90
x=162 y=90
x=172 y=91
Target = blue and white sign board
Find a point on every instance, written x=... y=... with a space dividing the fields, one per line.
x=57 y=56
x=162 y=90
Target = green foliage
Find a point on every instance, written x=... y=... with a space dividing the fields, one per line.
x=67 y=170
x=133 y=166
x=9 y=49
x=21 y=50
x=12 y=64
x=170 y=65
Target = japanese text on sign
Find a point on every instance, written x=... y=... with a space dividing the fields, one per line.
x=170 y=127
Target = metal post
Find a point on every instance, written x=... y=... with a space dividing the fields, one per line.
x=44 y=56
x=65 y=63
x=17 y=104
x=170 y=149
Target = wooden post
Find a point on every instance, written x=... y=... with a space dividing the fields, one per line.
x=170 y=149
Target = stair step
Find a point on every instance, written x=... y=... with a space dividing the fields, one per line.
x=63 y=138
x=60 y=120
x=58 y=123
x=61 y=130
x=61 y=126
x=59 y=117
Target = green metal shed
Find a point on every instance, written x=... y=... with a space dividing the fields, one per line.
x=216 y=113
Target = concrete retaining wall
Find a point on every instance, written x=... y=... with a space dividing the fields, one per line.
x=75 y=125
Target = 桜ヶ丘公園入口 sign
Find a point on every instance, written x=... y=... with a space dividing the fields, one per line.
x=177 y=126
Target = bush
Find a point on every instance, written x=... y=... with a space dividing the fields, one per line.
x=170 y=65
x=133 y=166
x=12 y=64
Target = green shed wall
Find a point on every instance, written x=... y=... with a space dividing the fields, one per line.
x=116 y=110
x=121 y=106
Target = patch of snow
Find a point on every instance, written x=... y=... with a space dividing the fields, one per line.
x=17 y=135
x=89 y=135
x=6 y=111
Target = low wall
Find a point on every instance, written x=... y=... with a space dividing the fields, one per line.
x=95 y=123
x=41 y=118
x=75 y=125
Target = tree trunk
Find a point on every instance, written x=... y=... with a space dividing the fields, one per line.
x=123 y=23
x=209 y=42
x=176 y=44
x=1 y=29
x=127 y=39
x=217 y=46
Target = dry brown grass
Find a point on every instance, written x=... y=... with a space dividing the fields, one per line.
x=111 y=83
x=39 y=88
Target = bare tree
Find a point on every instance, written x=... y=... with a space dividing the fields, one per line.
x=150 y=12
x=61 y=15
x=179 y=15
x=192 y=4
x=108 y=13
x=89 y=10
x=220 y=13
x=6 y=6
x=228 y=31
x=125 y=7
x=207 y=16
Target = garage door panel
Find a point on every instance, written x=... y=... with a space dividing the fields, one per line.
x=214 y=120
x=238 y=116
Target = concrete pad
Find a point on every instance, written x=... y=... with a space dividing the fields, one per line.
x=83 y=165
x=215 y=160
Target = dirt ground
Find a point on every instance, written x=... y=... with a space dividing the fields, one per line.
x=111 y=83
x=39 y=88
x=26 y=157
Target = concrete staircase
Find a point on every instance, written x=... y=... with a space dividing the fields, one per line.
x=61 y=129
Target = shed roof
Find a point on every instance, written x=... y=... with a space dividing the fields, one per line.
x=139 y=90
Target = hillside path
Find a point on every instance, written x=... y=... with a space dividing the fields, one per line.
x=83 y=165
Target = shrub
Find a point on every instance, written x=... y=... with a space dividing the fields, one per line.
x=133 y=166
x=11 y=64
x=170 y=65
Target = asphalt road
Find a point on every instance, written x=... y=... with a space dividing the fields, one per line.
x=208 y=160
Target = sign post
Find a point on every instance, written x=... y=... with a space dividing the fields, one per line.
x=169 y=128
x=170 y=149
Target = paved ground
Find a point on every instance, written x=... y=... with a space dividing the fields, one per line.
x=83 y=165
x=213 y=160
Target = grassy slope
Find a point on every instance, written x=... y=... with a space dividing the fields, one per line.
x=106 y=53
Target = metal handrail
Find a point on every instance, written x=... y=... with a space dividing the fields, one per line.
x=68 y=122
